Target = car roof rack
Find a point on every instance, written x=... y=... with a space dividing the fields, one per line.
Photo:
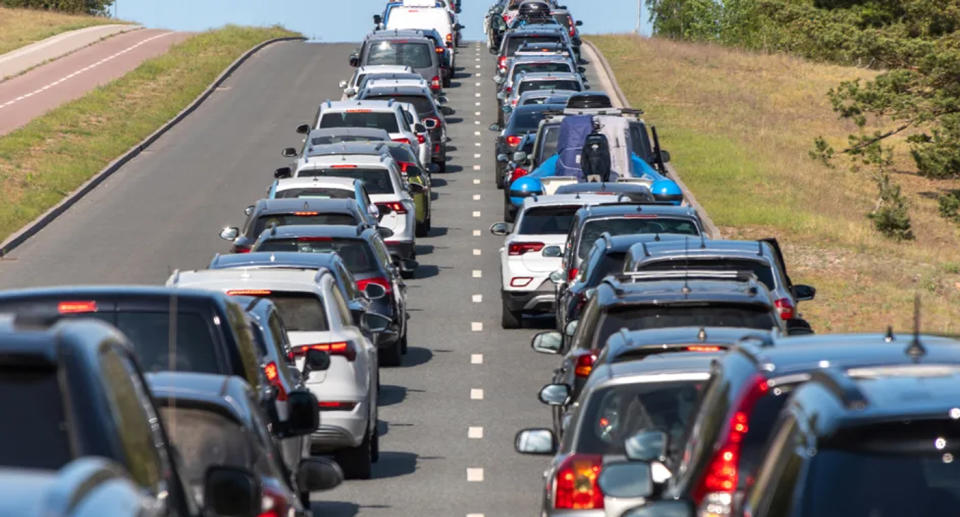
x=692 y=274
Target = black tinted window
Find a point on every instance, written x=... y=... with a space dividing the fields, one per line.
x=377 y=181
x=205 y=439
x=315 y=193
x=559 y=84
x=592 y=230
x=514 y=43
x=548 y=142
x=34 y=427
x=420 y=103
x=541 y=67
x=300 y=311
x=609 y=264
x=524 y=120
x=763 y=271
x=385 y=120
x=706 y=315
x=265 y=221
x=356 y=254
x=548 y=220
x=417 y=55
x=193 y=349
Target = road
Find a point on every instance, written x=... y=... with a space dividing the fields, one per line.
x=449 y=414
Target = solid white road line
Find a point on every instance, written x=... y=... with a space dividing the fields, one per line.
x=475 y=432
x=474 y=474
x=476 y=358
x=476 y=394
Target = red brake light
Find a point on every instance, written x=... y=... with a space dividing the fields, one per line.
x=449 y=38
x=572 y=274
x=402 y=140
x=784 y=308
x=392 y=206
x=305 y=214
x=704 y=348
x=440 y=50
x=519 y=248
x=241 y=249
x=249 y=292
x=379 y=280
x=518 y=173
x=314 y=239
x=573 y=31
x=273 y=504
x=585 y=364
x=576 y=483
x=76 y=307
x=513 y=140
x=435 y=83
x=273 y=377
x=508 y=89
x=336 y=405
x=421 y=139
x=342 y=348
x=404 y=166
x=343 y=166
x=501 y=62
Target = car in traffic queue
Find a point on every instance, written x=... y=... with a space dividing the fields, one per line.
x=427 y=108
x=513 y=39
x=338 y=135
x=351 y=86
x=414 y=174
x=319 y=187
x=268 y=213
x=523 y=120
x=317 y=318
x=446 y=54
x=533 y=81
x=367 y=258
x=436 y=18
x=396 y=118
x=390 y=48
x=405 y=79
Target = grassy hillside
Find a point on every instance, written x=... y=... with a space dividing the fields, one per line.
x=20 y=27
x=739 y=127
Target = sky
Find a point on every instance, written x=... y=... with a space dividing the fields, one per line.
x=345 y=20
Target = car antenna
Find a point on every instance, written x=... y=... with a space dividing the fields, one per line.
x=703 y=241
x=686 y=271
x=888 y=336
x=916 y=350
x=702 y=335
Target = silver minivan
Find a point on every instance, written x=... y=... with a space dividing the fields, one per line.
x=394 y=48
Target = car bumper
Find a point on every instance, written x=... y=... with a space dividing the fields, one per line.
x=530 y=301
x=340 y=429
x=402 y=249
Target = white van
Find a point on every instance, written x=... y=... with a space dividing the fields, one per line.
x=438 y=18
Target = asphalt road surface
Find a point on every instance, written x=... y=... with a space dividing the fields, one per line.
x=449 y=414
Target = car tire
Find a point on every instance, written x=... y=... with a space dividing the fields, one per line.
x=305 y=499
x=375 y=445
x=509 y=319
x=508 y=214
x=429 y=223
x=447 y=80
x=392 y=356
x=357 y=462
x=403 y=344
x=421 y=229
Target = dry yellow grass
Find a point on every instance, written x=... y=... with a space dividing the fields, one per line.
x=739 y=127
x=20 y=27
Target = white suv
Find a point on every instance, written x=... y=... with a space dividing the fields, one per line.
x=532 y=251
x=398 y=119
x=317 y=317
x=352 y=87
x=387 y=189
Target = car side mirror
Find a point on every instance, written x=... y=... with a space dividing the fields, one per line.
x=557 y=277
x=519 y=156
x=803 y=292
x=303 y=129
x=430 y=123
x=578 y=23
x=384 y=232
x=552 y=251
x=373 y=211
x=626 y=479
x=283 y=172
x=374 y=291
x=248 y=210
x=304 y=412
x=316 y=361
x=501 y=228
x=571 y=328
x=229 y=233
x=343 y=84
x=447 y=110
x=535 y=441
x=798 y=327
x=350 y=92
x=442 y=100
x=289 y=152
x=547 y=342
x=502 y=158
x=459 y=27
x=416 y=188
x=555 y=394
x=582 y=69
x=354 y=61
x=377 y=19
x=419 y=128
x=665 y=155
x=494 y=127
x=664 y=508
x=231 y=491
x=316 y=474
x=373 y=322
x=646 y=446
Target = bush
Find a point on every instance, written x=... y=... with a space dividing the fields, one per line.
x=69 y=6
x=950 y=206
x=890 y=216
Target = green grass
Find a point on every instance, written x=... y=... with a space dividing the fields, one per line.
x=21 y=27
x=51 y=156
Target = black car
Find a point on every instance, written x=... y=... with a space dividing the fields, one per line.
x=512 y=40
x=75 y=389
x=524 y=119
x=430 y=112
x=512 y=170
x=365 y=255
x=282 y=212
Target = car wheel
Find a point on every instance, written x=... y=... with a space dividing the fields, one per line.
x=447 y=81
x=421 y=229
x=375 y=446
x=403 y=344
x=509 y=319
x=508 y=213
x=392 y=356
x=443 y=163
x=357 y=462
x=429 y=223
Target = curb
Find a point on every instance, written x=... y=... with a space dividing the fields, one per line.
x=607 y=76
x=47 y=217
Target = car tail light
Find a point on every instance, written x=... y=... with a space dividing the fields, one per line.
x=341 y=348
x=576 y=485
x=273 y=377
x=520 y=281
x=581 y=301
x=336 y=405
x=501 y=62
x=518 y=173
x=720 y=480
x=249 y=292
x=449 y=37
x=314 y=239
x=514 y=102
x=514 y=140
x=392 y=206
x=508 y=89
x=402 y=140
x=440 y=50
x=305 y=214
x=436 y=148
x=379 y=280
x=519 y=248
x=572 y=274
x=573 y=31
x=77 y=307
x=273 y=503
x=404 y=166
x=435 y=83
x=241 y=249
x=506 y=18
x=784 y=308
x=421 y=139
x=343 y=166
x=704 y=348
x=585 y=364
x=435 y=119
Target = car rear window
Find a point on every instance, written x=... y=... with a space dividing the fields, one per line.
x=263 y=222
x=34 y=427
x=525 y=120
x=193 y=350
x=336 y=139
x=356 y=253
x=513 y=43
x=548 y=142
x=762 y=270
x=377 y=181
x=592 y=230
x=385 y=120
x=549 y=66
x=616 y=413
x=417 y=55
x=547 y=220
x=549 y=84
x=420 y=103
x=687 y=315
x=315 y=193
x=300 y=311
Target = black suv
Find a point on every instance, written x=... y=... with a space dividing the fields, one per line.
x=282 y=212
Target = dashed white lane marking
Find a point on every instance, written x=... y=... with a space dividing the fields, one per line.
x=476 y=197
x=477 y=103
x=476 y=233
x=478 y=66
x=474 y=515
x=477 y=273
x=477 y=298
x=477 y=252
x=476 y=113
x=478 y=144
x=476 y=326
x=477 y=122
x=477 y=155
x=477 y=94
x=475 y=433
x=476 y=133
x=476 y=59
x=476 y=213
x=476 y=358
x=478 y=74
x=476 y=167
x=478 y=84
x=474 y=474
x=85 y=69
x=476 y=394
x=476 y=181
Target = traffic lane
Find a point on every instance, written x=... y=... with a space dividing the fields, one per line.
x=34 y=93
x=164 y=209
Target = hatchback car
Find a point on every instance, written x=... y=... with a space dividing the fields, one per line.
x=427 y=108
x=387 y=48
x=523 y=120
x=353 y=85
x=395 y=118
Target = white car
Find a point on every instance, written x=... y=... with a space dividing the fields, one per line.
x=438 y=18
x=351 y=87
x=319 y=187
x=532 y=251
x=317 y=317
x=396 y=118
x=387 y=189
x=395 y=81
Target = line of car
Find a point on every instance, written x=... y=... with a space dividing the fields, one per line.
x=688 y=382
x=239 y=389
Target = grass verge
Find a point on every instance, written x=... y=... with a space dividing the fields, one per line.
x=48 y=158
x=21 y=27
x=739 y=127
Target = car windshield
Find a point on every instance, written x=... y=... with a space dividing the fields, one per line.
x=564 y=19
x=385 y=120
x=377 y=181
x=356 y=253
x=548 y=84
x=35 y=435
x=316 y=193
x=524 y=120
x=592 y=230
x=548 y=141
x=300 y=311
x=514 y=42
x=265 y=221
x=687 y=315
x=420 y=103
x=616 y=413
x=549 y=66
x=402 y=153
x=611 y=263
x=547 y=220
x=760 y=268
x=417 y=55
x=336 y=139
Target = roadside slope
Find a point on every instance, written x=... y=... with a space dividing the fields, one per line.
x=21 y=27
x=739 y=127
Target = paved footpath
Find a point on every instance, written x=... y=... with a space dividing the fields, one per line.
x=22 y=59
x=27 y=96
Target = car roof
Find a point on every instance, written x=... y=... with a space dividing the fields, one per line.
x=292 y=231
x=541 y=58
x=535 y=28
x=566 y=199
x=546 y=76
x=399 y=34
x=225 y=395
x=141 y=293
x=348 y=131
x=278 y=259
x=614 y=291
x=346 y=148
x=358 y=104
x=335 y=182
x=620 y=209
x=399 y=90
x=272 y=206
x=692 y=365
x=380 y=161
x=66 y=492
x=296 y=280
x=373 y=69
